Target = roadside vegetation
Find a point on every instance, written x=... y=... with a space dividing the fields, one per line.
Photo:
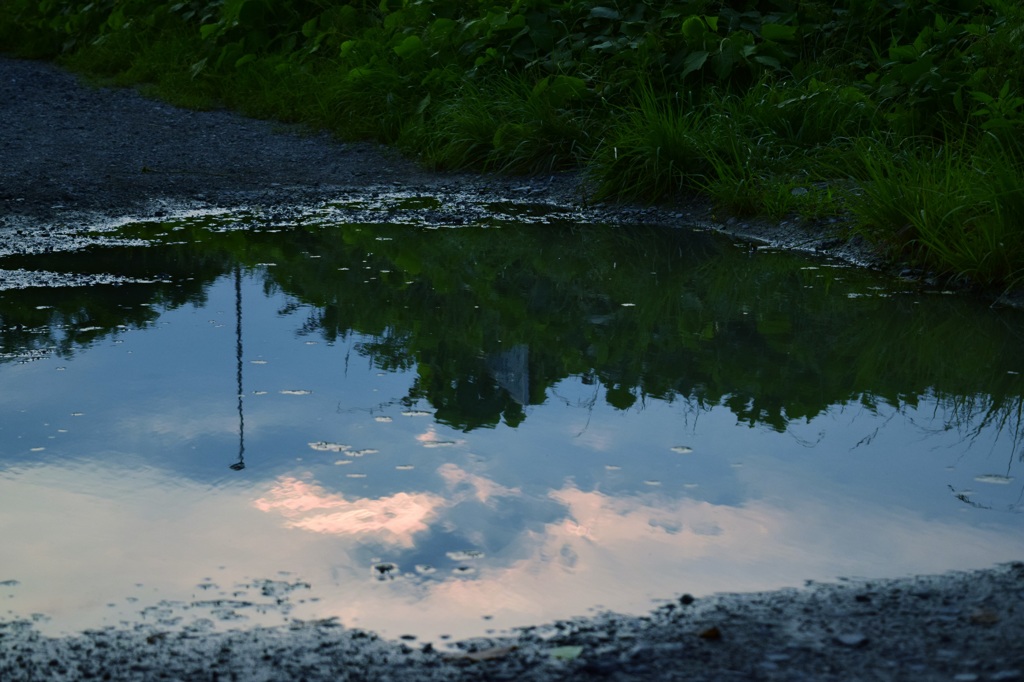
x=905 y=116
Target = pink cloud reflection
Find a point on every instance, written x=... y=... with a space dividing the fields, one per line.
x=483 y=488
x=307 y=506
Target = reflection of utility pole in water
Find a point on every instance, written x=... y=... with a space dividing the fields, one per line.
x=240 y=464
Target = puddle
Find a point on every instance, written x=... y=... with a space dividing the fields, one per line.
x=447 y=432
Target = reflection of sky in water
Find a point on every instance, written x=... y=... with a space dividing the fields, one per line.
x=116 y=491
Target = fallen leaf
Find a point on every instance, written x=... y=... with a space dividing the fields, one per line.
x=565 y=653
x=712 y=633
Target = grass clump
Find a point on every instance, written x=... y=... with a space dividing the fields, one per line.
x=655 y=148
x=512 y=125
x=948 y=208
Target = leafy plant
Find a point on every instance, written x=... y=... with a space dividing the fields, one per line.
x=1002 y=111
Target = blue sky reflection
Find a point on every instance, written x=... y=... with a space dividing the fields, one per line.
x=115 y=491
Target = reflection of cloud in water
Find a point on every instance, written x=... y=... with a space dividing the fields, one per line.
x=168 y=416
x=483 y=488
x=621 y=551
x=431 y=439
x=598 y=437
x=395 y=518
x=546 y=557
x=618 y=551
x=596 y=523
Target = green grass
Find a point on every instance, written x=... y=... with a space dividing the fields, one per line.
x=829 y=109
x=947 y=208
x=654 y=148
x=510 y=125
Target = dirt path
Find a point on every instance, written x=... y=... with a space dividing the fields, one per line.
x=69 y=147
x=68 y=150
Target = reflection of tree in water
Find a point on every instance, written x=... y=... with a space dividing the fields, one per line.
x=58 y=321
x=995 y=417
x=467 y=400
x=979 y=420
x=491 y=320
x=973 y=415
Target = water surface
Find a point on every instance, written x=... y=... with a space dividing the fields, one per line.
x=444 y=430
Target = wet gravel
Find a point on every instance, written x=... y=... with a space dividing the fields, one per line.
x=959 y=627
x=73 y=155
x=68 y=147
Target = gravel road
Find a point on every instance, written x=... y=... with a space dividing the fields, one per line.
x=70 y=152
x=68 y=149
x=66 y=146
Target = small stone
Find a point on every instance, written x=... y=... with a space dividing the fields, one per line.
x=984 y=617
x=712 y=633
x=687 y=599
x=851 y=639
